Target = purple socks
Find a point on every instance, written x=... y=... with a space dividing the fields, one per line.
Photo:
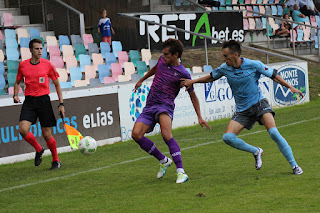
x=175 y=152
x=148 y=146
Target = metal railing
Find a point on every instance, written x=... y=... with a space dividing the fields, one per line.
x=133 y=16
x=292 y=29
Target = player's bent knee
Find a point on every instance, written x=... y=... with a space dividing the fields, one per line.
x=228 y=138
x=136 y=135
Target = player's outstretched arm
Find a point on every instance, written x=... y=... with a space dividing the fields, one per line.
x=188 y=83
x=59 y=93
x=281 y=81
x=196 y=106
x=151 y=72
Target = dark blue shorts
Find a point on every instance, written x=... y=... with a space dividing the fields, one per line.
x=150 y=115
x=248 y=117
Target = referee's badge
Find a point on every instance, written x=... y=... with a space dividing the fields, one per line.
x=42 y=79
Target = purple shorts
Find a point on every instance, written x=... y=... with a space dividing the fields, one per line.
x=150 y=115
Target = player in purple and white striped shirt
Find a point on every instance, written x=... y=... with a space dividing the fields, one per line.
x=160 y=106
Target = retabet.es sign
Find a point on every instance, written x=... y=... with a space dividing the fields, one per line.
x=224 y=26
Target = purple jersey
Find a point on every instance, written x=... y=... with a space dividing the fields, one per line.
x=166 y=84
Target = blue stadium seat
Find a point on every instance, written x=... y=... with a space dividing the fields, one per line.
x=280 y=10
x=93 y=48
x=207 y=68
x=44 y=53
x=65 y=85
x=110 y=58
x=104 y=48
x=141 y=68
x=116 y=46
x=2 y=81
x=84 y=60
x=134 y=56
x=76 y=39
x=9 y=33
x=24 y=42
x=34 y=33
x=2 y=92
x=12 y=54
x=11 y=43
x=274 y=10
x=12 y=66
x=152 y=63
x=2 y=68
x=75 y=74
x=63 y=40
x=103 y=71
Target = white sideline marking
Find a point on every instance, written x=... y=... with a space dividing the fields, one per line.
x=137 y=159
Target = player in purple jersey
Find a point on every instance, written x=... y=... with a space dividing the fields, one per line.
x=243 y=75
x=160 y=106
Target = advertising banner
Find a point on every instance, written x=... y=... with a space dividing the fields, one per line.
x=96 y=116
x=224 y=25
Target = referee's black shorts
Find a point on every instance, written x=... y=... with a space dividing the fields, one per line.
x=38 y=107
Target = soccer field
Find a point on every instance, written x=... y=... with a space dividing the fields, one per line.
x=122 y=178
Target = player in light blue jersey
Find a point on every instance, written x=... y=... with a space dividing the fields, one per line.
x=243 y=75
x=160 y=106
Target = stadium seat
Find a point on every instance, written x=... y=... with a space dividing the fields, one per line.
x=93 y=48
x=24 y=42
x=234 y=2
x=247 y=2
x=84 y=60
x=222 y=2
x=268 y=10
x=207 y=68
x=1 y=35
x=259 y=2
x=274 y=10
x=253 y=1
x=34 y=33
x=264 y=23
x=9 y=33
x=241 y=2
x=146 y=55
x=134 y=56
x=104 y=48
x=129 y=69
x=51 y=41
x=44 y=53
x=256 y=9
x=67 y=50
x=87 y=38
x=76 y=39
x=94 y=82
x=108 y=80
x=63 y=40
x=271 y=2
x=71 y=61
x=110 y=58
x=7 y=19
x=252 y=24
x=12 y=54
x=123 y=78
x=75 y=74
x=135 y=77
x=96 y=60
x=189 y=71
x=25 y=53
x=306 y=32
x=22 y=33
x=245 y=24
x=12 y=66
x=64 y=85
x=228 y=2
x=262 y=9
x=80 y=83
x=63 y=75
x=54 y=51
x=11 y=90
x=229 y=8
x=249 y=8
x=141 y=68
x=265 y=1
x=57 y=61
x=116 y=70
x=2 y=82
x=280 y=10
x=11 y=77
x=258 y=23
x=152 y=63
x=196 y=69
x=178 y=3
x=79 y=50
x=122 y=57
x=11 y=43
x=89 y=72
x=1 y=56
x=116 y=47
x=2 y=70
x=103 y=71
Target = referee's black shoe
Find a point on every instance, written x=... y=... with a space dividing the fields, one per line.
x=55 y=165
x=38 y=158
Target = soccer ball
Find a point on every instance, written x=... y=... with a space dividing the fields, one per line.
x=87 y=145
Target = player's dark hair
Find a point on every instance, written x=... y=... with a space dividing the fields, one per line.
x=234 y=46
x=175 y=46
x=34 y=41
x=102 y=10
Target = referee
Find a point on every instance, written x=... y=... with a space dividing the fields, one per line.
x=36 y=73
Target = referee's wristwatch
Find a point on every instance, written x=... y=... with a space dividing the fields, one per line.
x=60 y=104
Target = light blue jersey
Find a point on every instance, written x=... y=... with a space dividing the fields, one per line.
x=244 y=81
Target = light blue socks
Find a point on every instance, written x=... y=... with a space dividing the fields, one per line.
x=232 y=140
x=283 y=146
